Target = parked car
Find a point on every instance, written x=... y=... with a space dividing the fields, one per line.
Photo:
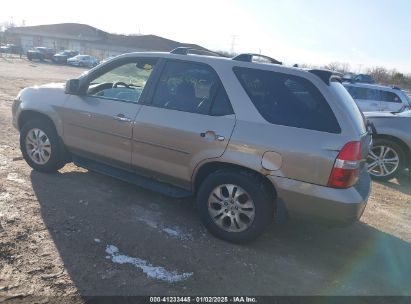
x=41 y=53
x=108 y=58
x=391 y=151
x=11 y=49
x=371 y=97
x=250 y=140
x=63 y=56
x=83 y=61
x=349 y=77
x=364 y=78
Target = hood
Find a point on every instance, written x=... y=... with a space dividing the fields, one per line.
x=53 y=85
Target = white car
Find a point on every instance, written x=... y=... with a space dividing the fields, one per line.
x=83 y=61
x=372 y=97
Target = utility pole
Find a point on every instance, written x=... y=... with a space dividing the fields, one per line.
x=234 y=37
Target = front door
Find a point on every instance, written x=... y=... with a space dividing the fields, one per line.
x=189 y=119
x=100 y=123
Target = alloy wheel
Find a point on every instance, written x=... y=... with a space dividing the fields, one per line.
x=382 y=161
x=231 y=208
x=38 y=146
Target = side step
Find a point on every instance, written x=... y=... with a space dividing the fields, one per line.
x=141 y=181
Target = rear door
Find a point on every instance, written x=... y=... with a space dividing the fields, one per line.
x=189 y=119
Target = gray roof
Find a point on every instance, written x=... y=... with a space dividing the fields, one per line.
x=89 y=33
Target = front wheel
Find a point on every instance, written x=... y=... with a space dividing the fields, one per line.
x=40 y=146
x=235 y=205
x=385 y=160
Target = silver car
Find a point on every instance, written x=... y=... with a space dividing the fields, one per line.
x=390 y=154
x=250 y=140
x=373 y=97
x=83 y=61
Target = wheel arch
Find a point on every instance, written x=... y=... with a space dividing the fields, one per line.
x=28 y=115
x=208 y=168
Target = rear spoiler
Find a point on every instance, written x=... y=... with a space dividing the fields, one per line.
x=327 y=76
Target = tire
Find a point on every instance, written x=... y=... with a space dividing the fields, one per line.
x=55 y=156
x=255 y=189
x=377 y=166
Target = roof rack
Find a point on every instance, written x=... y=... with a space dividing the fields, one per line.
x=396 y=88
x=248 y=57
x=188 y=51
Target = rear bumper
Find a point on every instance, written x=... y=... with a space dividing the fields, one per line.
x=323 y=204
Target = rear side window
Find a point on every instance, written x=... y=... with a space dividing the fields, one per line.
x=288 y=100
x=191 y=87
x=390 y=97
x=363 y=93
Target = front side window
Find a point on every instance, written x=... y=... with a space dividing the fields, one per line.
x=124 y=83
x=288 y=100
x=191 y=87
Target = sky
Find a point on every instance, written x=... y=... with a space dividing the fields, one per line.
x=363 y=33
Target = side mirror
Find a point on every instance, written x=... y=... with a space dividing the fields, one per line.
x=73 y=87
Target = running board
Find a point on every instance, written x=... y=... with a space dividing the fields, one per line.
x=132 y=178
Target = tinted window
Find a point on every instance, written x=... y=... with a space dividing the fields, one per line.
x=389 y=97
x=221 y=105
x=193 y=88
x=363 y=93
x=288 y=100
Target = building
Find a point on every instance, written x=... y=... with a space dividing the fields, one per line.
x=88 y=40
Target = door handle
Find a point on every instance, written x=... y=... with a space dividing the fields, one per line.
x=211 y=135
x=122 y=118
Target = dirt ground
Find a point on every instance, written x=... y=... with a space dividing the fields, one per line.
x=80 y=233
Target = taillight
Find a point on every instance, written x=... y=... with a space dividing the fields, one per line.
x=347 y=166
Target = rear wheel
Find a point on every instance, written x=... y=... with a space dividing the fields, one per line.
x=40 y=146
x=385 y=160
x=235 y=205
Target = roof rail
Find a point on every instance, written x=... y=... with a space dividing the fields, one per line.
x=396 y=88
x=326 y=75
x=248 y=57
x=187 y=50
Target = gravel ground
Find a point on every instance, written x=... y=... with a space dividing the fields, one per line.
x=78 y=233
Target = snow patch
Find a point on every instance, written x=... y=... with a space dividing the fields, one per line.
x=97 y=240
x=177 y=233
x=148 y=222
x=15 y=178
x=149 y=218
x=154 y=272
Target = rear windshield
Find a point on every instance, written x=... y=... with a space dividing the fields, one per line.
x=350 y=105
x=288 y=100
